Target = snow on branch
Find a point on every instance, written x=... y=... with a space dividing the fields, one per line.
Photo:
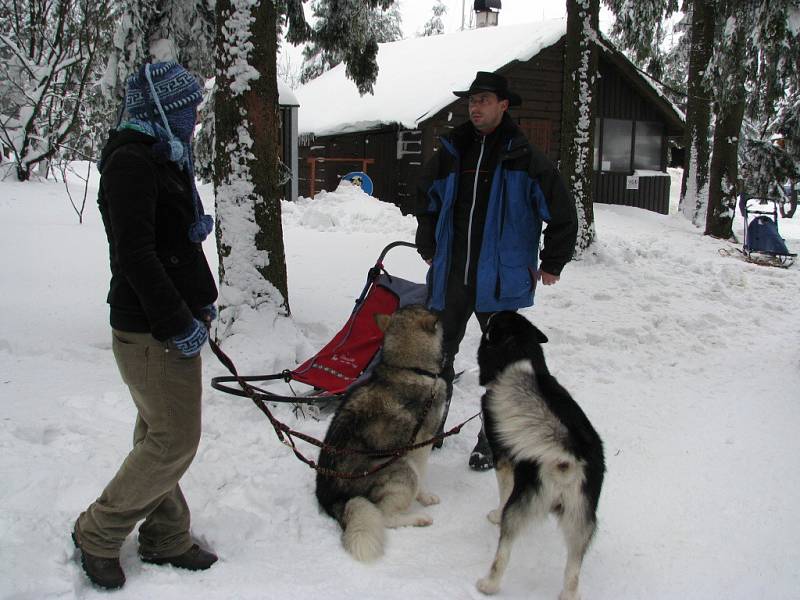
x=46 y=60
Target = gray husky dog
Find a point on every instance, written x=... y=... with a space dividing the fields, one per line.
x=548 y=457
x=382 y=414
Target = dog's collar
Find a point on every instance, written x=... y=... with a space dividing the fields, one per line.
x=417 y=370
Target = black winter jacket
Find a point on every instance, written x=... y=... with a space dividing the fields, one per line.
x=160 y=279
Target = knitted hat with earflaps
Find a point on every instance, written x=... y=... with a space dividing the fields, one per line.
x=168 y=93
x=175 y=89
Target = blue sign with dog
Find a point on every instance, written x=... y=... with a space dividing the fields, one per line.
x=360 y=179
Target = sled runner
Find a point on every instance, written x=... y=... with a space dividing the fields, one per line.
x=349 y=355
x=763 y=243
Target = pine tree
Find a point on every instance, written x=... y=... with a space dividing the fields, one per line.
x=577 y=150
x=787 y=126
x=181 y=30
x=639 y=27
x=755 y=62
x=695 y=182
x=435 y=25
x=365 y=22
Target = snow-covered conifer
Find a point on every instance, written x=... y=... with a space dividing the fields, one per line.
x=753 y=67
x=435 y=25
x=345 y=28
x=160 y=30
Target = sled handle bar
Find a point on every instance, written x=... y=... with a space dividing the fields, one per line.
x=393 y=245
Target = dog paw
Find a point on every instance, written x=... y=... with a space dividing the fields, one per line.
x=427 y=499
x=422 y=521
x=565 y=595
x=487 y=586
x=495 y=516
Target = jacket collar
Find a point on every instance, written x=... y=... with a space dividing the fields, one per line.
x=119 y=138
x=512 y=139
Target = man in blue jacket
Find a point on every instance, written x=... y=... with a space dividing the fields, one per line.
x=483 y=200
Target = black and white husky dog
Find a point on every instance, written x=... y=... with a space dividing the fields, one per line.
x=548 y=457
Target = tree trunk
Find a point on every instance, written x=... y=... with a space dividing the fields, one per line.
x=577 y=133
x=694 y=185
x=252 y=262
x=724 y=176
x=23 y=172
x=723 y=183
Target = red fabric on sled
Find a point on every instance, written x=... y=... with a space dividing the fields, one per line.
x=338 y=365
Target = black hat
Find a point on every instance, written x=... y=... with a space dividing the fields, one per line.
x=491 y=82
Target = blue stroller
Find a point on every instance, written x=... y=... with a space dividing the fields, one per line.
x=763 y=244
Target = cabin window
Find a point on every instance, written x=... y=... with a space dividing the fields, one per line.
x=622 y=146
x=647 y=146
x=615 y=154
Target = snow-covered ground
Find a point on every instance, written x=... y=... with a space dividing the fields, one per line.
x=687 y=362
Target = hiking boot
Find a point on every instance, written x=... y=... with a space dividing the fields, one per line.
x=194 y=559
x=103 y=572
x=481 y=458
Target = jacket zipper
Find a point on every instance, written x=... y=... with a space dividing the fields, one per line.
x=472 y=211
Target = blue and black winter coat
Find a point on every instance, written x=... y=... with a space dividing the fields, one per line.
x=482 y=203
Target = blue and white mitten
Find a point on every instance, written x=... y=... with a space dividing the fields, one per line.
x=191 y=341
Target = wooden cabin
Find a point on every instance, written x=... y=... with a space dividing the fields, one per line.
x=375 y=133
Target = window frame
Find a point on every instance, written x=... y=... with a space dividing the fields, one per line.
x=599 y=137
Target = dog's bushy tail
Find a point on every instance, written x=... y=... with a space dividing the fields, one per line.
x=364 y=532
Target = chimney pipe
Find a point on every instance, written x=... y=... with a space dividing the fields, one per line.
x=485 y=13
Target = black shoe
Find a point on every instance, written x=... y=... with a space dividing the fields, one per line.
x=481 y=458
x=103 y=572
x=194 y=559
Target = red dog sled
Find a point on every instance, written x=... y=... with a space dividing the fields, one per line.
x=349 y=355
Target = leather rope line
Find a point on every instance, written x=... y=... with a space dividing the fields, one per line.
x=286 y=434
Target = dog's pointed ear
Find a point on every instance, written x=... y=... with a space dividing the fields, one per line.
x=382 y=321
x=540 y=337
x=429 y=322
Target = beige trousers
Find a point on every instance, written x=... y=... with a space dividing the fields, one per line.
x=166 y=388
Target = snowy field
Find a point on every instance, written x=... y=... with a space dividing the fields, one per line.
x=686 y=361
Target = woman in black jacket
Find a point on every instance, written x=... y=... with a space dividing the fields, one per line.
x=161 y=292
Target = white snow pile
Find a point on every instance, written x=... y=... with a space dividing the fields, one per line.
x=347 y=210
x=685 y=360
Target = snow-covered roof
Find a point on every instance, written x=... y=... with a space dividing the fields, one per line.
x=412 y=83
